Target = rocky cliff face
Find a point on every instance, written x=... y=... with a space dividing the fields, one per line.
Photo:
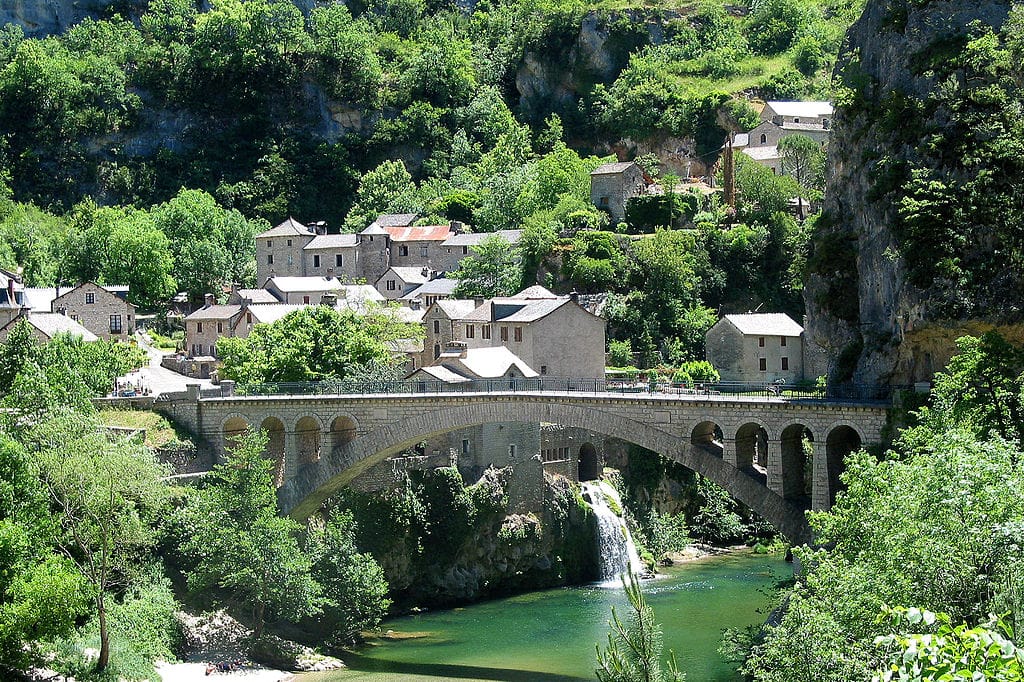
x=46 y=17
x=880 y=315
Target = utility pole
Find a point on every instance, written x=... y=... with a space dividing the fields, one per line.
x=729 y=174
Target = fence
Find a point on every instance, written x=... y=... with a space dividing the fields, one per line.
x=789 y=392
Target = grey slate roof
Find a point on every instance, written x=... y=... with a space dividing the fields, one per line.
x=332 y=241
x=288 y=228
x=612 y=168
x=474 y=238
x=809 y=109
x=215 y=312
x=442 y=286
x=766 y=324
x=51 y=324
x=258 y=295
x=515 y=310
x=408 y=274
x=456 y=308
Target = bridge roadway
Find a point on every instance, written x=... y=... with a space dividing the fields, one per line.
x=757 y=448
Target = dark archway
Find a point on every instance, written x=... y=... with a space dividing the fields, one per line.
x=275 y=449
x=307 y=437
x=343 y=431
x=234 y=428
x=797 y=467
x=752 y=450
x=841 y=441
x=589 y=463
x=708 y=436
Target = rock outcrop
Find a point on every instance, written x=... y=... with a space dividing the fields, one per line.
x=46 y=17
x=869 y=306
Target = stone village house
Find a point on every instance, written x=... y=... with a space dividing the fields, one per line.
x=758 y=347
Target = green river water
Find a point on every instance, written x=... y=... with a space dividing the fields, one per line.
x=550 y=635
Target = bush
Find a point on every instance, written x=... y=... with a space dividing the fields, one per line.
x=620 y=353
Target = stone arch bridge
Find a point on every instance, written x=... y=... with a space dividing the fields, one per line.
x=777 y=456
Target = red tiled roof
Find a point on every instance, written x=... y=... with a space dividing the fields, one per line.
x=420 y=233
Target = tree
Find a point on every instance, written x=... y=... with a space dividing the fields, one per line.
x=314 y=344
x=804 y=159
x=634 y=649
x=495 y=269
x=354 y=588
x=237 y=542
x=388 y=187
x=105 y=494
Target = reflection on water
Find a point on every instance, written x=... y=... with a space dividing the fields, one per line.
x=551 y=635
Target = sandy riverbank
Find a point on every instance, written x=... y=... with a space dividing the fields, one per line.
x=196 y=672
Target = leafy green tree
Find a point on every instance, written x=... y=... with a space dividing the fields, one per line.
x=354 y=589
x=41 y=592
x=804 y=159
x=495 y=269
x=211 y=245
x=634 y=648
x=386 y=188
x=347 y=63
x=106 y=495
x=314 y=344
x=237 y=542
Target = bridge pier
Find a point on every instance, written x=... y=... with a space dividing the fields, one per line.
x=729 y=453
x=821 y=495
x=776 y=477
x=291 y=455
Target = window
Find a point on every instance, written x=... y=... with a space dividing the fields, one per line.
x=465 y=250
x=512 y=450
x=603 y=202
x=339 y=260
x=289 y=259
x=763 y=364
x=504 y=333
x=316 y=261
x=248 y=318
x=437 y=350
x=115 y=324
x=74 y=317
x=465 y=446
x=289 y=242
x=199 y=327
x=543 y=369
x=485 y=331
x=783 y=342
x=519 y=334
x=470 y=331
x=403 y=250
x=220 y=327
x=437 y=326
x=270 y=259
x=796 y=120
x=423 y=251
x=391 y=285
x=270 y=244
x=764 y=139
x=760 y=342
x=785 y=363
x=305 y=299
x=90 y=298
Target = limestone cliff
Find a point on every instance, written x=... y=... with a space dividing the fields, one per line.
x=912 y=251
x=46 y=17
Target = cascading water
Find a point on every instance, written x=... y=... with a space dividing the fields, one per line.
x=617 y=551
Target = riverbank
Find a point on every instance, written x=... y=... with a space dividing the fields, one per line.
x=196 y=672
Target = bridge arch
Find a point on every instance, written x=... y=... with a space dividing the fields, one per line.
x=842 y=439
x=709 y=435
x=232 y=428
x=276 y=446
x=752 y=447
x=308 y=432
x=343 y=430
x=796 y=469
x=589 y=464
x=316 y=481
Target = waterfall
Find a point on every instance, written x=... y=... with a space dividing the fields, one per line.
x=617 y=551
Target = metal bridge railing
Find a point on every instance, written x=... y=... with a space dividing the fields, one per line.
x=793 y=392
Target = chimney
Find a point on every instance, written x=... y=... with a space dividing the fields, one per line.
x=208 y=300
x=574 y=296
x=414 y=304
x=330 y=273
x=329 y=299
x=456 y=226
x=319 y=227
x=425 y=272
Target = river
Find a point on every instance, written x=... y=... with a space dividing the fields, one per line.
x=550 y=635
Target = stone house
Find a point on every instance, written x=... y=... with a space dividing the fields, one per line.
x=204 y=326
x=279 y=250
x=782 y=119
x=439 y=325
x=103 y=310
x=755 y=348
x=552 y=334
x=333 y=255
x=460 y=246
x=418 y=245
x=458 y=364
x=44 y=326
x=311 y=290
x=613 y=185
x=783 y=114
x=399 y=281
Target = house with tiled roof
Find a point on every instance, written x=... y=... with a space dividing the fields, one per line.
x=458 y=364
x=279 y=250
x=419 y=245
x=44 y=326
x=102 y=309
x=756 y=347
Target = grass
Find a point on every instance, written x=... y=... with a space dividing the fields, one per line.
x=166 y=343
x=159 y=430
